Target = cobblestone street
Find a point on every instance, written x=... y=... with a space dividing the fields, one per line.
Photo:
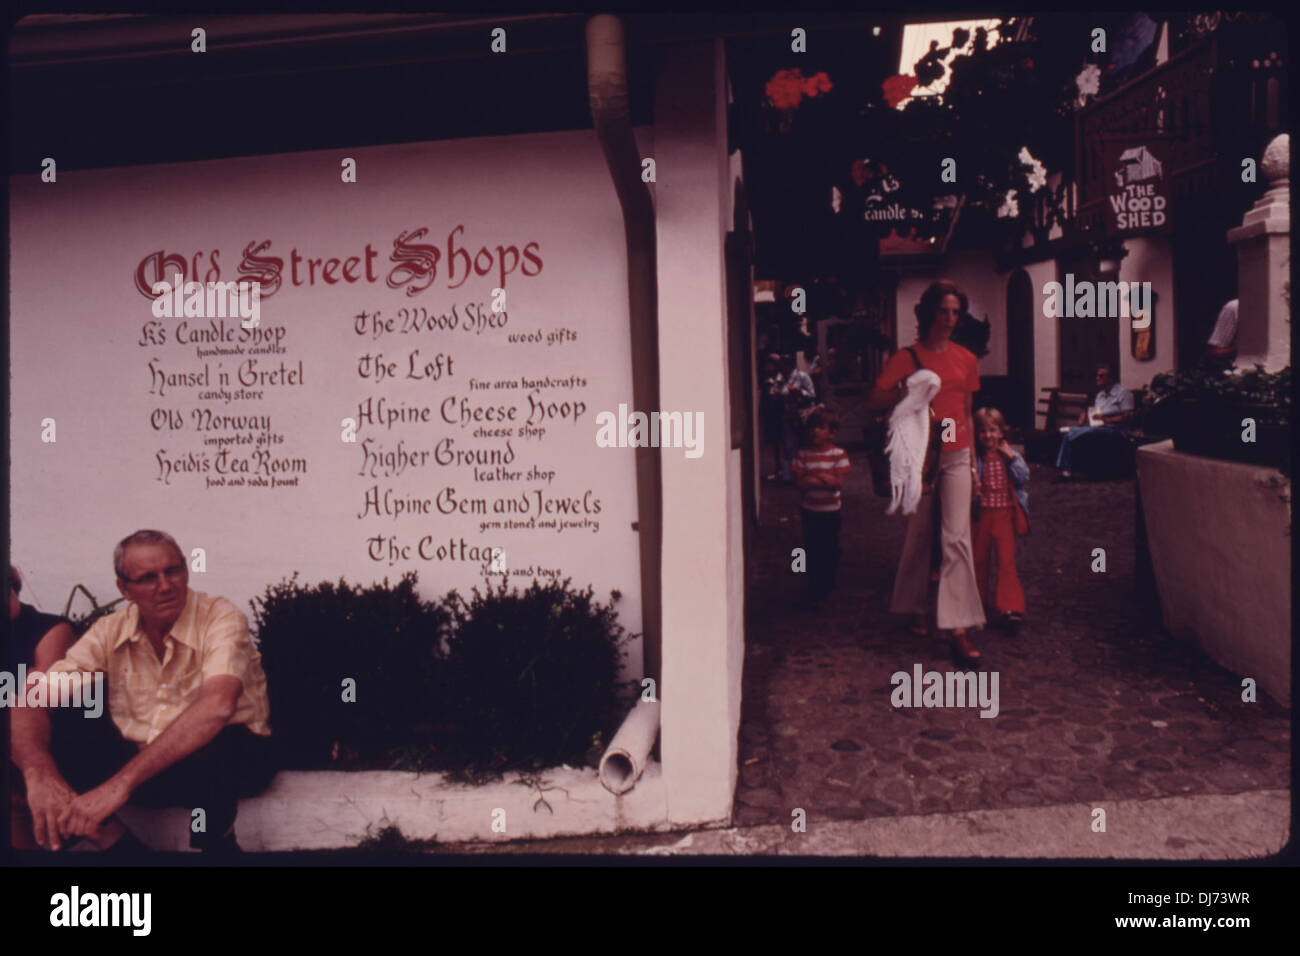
x=1096 y=702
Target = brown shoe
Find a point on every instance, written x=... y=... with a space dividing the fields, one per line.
x=963 y=648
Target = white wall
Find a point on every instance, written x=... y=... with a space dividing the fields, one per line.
x=80 y=356
x=1224 y=578
x=703 y=641
x=1047 y=332
x=986 y=289
x=1149 y=259
x=906 y=295
x=974 y=271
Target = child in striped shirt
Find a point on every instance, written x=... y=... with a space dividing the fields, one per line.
x=819 y=473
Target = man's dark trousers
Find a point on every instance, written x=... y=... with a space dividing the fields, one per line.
x=236 y=763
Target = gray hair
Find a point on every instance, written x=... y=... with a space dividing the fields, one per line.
x=141 y=537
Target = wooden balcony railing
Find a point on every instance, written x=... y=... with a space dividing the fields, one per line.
x=1212 y=104
x=1207 y=101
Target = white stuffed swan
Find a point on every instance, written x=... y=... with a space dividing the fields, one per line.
x=909 y=435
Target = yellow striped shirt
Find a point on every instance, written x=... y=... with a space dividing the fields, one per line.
x=145 y=695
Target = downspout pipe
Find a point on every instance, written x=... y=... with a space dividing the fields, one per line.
x=607 y=89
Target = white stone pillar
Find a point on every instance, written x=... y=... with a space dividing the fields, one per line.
x=703 y=561
x=1263 y=242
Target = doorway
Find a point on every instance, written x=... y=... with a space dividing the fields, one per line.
x=1085 y=343
x=1020 y=350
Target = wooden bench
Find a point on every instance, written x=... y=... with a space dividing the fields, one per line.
x=1062 y=409
x=1058 y=409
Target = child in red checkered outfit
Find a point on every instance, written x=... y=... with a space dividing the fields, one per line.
x=1000 y=513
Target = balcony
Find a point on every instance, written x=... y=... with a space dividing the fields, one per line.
x=1204 y=99
x=1200 y=101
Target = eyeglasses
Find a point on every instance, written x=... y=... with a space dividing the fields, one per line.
x=175 y=574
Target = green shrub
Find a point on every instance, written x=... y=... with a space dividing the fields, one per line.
x=312 y=638
x=1203 y=409
x=530 y=678
x=1268 y=394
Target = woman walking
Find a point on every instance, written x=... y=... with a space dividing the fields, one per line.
x=959 y=606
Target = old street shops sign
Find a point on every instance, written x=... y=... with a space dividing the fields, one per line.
x=1137 y=191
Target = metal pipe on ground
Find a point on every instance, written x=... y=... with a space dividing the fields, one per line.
x=629 y=751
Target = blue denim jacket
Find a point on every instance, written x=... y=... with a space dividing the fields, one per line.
x=1017 y=471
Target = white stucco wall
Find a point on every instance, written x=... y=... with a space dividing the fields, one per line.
x=1224 y=579
x=1150 y=259
x=92 y=370
x=986 y=289
x=1047 y=332
x=703 y=642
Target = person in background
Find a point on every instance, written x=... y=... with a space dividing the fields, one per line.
x=817 y=372
x=36 y=640
x=1221 y=348
x=949 y=505
x=798 y=393
x=834 y=367
x=771 y=411
x=819 y=472
x=1114 y=403
x=1001 y=511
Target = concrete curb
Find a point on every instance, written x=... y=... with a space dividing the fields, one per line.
x=320 y=810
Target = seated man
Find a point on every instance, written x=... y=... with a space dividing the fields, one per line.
x=187 y=697
x=1114 y=403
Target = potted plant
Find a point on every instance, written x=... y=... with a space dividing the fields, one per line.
x=1205 y=412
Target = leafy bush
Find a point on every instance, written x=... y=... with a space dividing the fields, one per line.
x=1269 y=392
x=506 y=680
x=530 y=678
x=312 y=638
x=1202 y=409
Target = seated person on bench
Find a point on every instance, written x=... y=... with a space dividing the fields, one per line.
x=187 y=699
x=1114 y=404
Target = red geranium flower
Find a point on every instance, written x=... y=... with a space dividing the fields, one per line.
x=816 y=85
x=785 y=89
x=897 y=89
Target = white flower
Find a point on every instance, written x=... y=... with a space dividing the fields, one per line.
x=1089 y=81
x=837 y=198
x=1038 y=175
x=1010 y=207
